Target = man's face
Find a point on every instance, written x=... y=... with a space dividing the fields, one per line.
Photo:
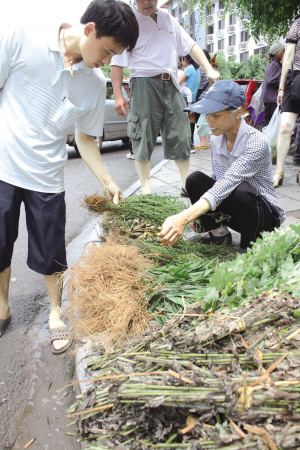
x=95 y=51
x=146 y=7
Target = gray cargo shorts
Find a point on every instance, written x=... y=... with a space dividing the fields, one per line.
x=157 y=106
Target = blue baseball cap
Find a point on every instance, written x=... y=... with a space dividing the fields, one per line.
x=221 y=95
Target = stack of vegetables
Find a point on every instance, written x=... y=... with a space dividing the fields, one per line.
x=223 y=371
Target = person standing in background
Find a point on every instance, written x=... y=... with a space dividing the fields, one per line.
x=191 y=76
x=290 y=108
x=156 y=103
x=271 y=80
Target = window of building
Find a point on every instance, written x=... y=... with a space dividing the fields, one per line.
x=174 y=12
x=221 y=4
x=184 y=7
x=232 y=40
x=221 y=24
x=232 y=19
x=261 y=51
x=210 y=48
x=221 y=44
x=210 y=10
x=244 y=36
x=210 y=29
x=244 y=56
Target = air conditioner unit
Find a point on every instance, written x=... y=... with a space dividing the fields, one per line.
x=210 y=19
x=231 y=29
x=231 y=49
x=220 y=34
x=243 y=45
x=220 y=13
x=244 y=24
x=210 y=38
x=261 y=41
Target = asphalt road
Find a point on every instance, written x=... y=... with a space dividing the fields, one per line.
x=32 y=405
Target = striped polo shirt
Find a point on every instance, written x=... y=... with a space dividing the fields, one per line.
x=249 y=160
x=39 y=102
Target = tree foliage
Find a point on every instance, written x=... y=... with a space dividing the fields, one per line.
x=254 y=68
x=270 y=19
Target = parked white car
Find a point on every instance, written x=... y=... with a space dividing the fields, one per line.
x=115 y=126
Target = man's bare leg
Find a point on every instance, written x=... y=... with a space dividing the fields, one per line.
x=5 y=310
x=184 y=170
x=54 y=288
x=143 y=170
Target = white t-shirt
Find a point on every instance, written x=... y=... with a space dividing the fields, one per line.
x=157 y=47
x=39 y=101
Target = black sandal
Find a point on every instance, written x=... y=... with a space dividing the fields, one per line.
x=184 y=193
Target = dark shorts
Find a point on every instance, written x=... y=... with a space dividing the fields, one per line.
x=287 y=104
x=45 y=219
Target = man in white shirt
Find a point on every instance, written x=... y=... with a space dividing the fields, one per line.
x=49 y=80
x=155 y=100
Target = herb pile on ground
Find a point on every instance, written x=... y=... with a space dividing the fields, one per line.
x=106 y=293
x=274 y=261
x=201 y=382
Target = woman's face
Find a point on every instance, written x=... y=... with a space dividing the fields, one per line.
x=221 y=122
x=185 y=63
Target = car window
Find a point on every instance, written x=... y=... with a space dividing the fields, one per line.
x=110 y=92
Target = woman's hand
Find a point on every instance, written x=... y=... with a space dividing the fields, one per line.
x=172 y=229
x=280 y=97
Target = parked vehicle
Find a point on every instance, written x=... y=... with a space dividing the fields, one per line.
x=115 y=126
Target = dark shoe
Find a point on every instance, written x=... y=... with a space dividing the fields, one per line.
x=218 y=240
x=192 y=148
x=184 y=193
x=298 y=177
x=296 y=162
x=3 y=324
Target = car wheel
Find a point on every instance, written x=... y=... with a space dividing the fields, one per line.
x=98 y=139
x=126 y=140
x=73 y=143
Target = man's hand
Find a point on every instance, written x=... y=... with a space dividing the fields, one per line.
x=212 y=76
x=122 y=106
x=172 y=229
x=113 y=193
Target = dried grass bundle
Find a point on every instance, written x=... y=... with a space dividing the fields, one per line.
x=96 y=203
x=106 y=293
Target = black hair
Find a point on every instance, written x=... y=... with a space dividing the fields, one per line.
x=206 y=54
x=191 y=61
x=113 y=18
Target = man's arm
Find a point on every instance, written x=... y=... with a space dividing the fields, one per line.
x=90 y=153
x=286 y=65
x=173 y=226
x=121 y=103
x=198 y=55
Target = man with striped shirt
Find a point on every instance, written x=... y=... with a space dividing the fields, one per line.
x=49 y=80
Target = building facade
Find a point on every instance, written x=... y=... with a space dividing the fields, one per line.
x=220 y=31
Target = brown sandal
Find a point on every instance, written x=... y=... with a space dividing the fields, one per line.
x=57 y=334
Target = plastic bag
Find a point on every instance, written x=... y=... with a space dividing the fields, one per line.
x=257 y=108
x=203 y=127
x=271 y=132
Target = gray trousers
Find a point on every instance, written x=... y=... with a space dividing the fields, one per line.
x=157 y=106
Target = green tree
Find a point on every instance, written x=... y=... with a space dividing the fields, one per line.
x=254 y=68
x=269 y=19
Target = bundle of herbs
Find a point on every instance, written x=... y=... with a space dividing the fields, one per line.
x=274 y=261
x=175 y=389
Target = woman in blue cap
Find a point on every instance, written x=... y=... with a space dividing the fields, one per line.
x=240 y=193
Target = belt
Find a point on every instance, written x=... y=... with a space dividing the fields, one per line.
x=163 y=76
